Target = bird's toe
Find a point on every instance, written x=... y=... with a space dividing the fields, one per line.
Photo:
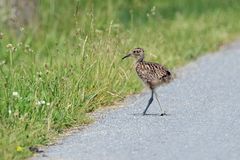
x=163 y=114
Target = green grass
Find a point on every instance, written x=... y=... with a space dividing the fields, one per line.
x=71 y=59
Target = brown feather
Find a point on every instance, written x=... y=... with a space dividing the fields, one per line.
x=153 y=74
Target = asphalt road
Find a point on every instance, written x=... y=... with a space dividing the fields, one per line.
x=203 y=104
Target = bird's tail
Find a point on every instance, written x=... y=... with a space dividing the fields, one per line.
x=169 y=77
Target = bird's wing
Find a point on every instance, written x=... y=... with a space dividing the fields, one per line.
x=149 y=71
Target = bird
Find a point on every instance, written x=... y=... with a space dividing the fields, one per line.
x=152 y=74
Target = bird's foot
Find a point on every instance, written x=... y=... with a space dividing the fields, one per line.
x=163 y=114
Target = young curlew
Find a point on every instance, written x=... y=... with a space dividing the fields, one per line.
x=152 y=74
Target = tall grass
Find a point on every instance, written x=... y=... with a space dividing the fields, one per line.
x=69 y=64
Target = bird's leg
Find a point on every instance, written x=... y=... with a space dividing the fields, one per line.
x=149 y=102
x=163 y=112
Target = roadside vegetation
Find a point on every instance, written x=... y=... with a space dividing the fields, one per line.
x=69 y=62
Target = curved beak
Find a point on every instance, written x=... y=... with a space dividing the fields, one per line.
x=128 y=55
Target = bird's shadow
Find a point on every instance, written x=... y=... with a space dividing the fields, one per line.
x=150 y=114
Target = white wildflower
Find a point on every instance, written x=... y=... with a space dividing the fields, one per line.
x=16 y=95
x=48 y=104
x=30 y=50
x=39 y=74
x=38 y=103
x=9 y=46
x=41 y=102
x=153 y=10
x=9 y=111
x=22 y=29
x=1 y=35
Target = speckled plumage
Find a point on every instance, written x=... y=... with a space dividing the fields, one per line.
x=152 y=74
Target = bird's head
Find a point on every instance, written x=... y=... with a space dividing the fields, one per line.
x=137 y=53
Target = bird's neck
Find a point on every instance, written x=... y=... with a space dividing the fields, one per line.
x=141 y=59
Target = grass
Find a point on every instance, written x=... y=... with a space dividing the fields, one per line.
x=69 y=63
